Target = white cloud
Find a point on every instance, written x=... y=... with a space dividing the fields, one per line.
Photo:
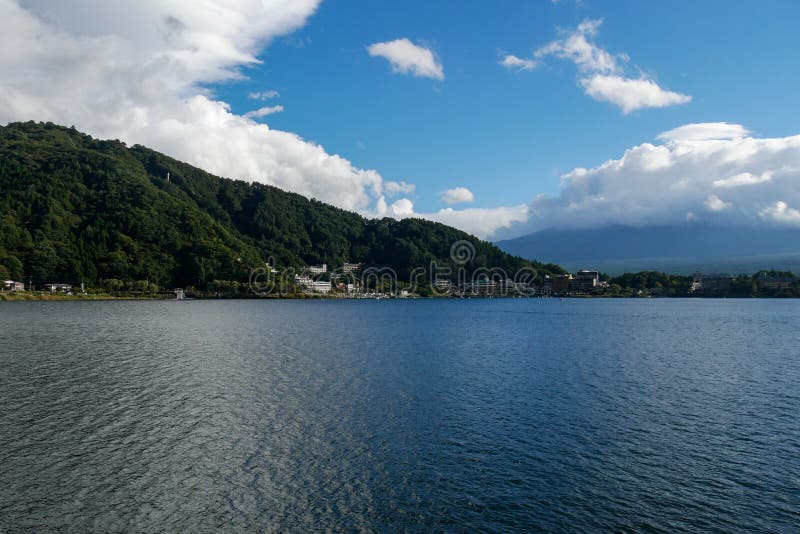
x=677 y=180
x=398 y=188
x=457 y=195
x=631 y=94
x=603 y=74
x=781 y=212
x=138 y=71
x=714 y=203
x=408 y=58
x=402 y=208
x=398 y=209
x=263 y=112
x=744 y=178
x=263 y=95
x=512 y=62
x=482 y=222
x=705 y=131
x=576 y=47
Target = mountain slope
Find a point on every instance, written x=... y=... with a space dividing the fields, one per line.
x=73 y=208
x=672 y=248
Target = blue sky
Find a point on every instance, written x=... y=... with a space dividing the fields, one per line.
x=507 y=136
x=622 y=112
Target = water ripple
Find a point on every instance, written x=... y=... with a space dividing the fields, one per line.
x=494 y=415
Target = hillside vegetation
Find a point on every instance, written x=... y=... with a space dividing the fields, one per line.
x=77 y=209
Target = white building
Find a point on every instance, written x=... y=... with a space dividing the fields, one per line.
x=317 y=269
x=351 y=267
x=316 y=286
x=305 y=281
x=10 y=285
x=58 y=288
x=321 y=287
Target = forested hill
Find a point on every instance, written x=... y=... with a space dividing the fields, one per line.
x=77 y=209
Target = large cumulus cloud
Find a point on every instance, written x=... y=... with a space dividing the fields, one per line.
x=137 y=71
x=713 y=172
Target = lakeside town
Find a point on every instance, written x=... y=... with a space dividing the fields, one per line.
x=358 y=281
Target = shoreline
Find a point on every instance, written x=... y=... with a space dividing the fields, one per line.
x=55 y=297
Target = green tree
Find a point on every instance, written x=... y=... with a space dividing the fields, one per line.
x=74 y=208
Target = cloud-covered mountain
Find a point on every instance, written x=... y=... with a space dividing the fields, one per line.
x=708 y=196
x=680 y=249
x=716 y=173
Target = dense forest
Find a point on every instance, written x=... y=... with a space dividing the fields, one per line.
x=76 y=209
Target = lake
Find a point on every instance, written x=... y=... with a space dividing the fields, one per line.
x=447 y=415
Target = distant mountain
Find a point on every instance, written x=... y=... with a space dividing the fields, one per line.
x=677 y=249
x=77 y=209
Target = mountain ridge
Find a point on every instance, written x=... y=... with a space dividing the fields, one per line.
x=677 y=249
x=74 y=208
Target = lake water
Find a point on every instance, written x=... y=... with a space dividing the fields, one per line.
x=446 y=415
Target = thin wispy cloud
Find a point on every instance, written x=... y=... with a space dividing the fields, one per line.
x=398 y=188
x=263 y=95
x=576 y=46
x=744 y=179
x=263 y=112
x=512 y=62
x=705 y=131
x=603 y=75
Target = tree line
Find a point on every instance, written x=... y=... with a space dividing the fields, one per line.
x=81 y=210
